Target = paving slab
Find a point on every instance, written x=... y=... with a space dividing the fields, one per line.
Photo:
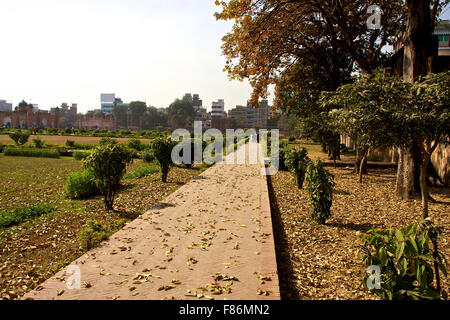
x=210 y=239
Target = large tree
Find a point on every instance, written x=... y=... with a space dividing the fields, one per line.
x=419 y=49
x=181 y=114
x=269 y=37
x=137 y=110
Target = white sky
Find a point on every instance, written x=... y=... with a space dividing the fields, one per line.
x=55 y=51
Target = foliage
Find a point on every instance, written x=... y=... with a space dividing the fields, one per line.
x=81 y=154
x=291 y=139
x=70 y=143
x=320 y=184
x=107 y=140
x=96 y=232
x=8 y=219
x=406 y=261
x=181 y=114
x=143 y=172
x=38 y=143
x=108 y=163
x=296 y=159
x=268 y=36
x=20 y=137
x=147 y=156
x=162 y=151
x=81 y=185
x=135 y=144
x=38 y=153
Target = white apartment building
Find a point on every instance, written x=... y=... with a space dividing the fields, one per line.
x=218 y=109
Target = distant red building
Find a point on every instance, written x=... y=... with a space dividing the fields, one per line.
x=25 y=116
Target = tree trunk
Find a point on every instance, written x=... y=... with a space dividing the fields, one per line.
x=363 y=164
x=420 y=47
x=360 y=162
x=424 y=187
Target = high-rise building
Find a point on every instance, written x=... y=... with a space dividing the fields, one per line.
x=108 y=101
x=218 y=109
x=188 y=97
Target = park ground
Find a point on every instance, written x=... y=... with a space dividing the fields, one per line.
x=33 y=251
x=61 y=140
x=314 y=262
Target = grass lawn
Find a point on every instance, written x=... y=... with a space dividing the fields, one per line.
x=33 y=251
x=320 y=261
x=61 y=140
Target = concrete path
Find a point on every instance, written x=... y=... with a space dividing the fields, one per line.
x=211 y=239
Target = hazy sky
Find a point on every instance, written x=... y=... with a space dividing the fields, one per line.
x=55 y=51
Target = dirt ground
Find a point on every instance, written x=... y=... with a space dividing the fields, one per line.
x=321 y=261
x=61 y=140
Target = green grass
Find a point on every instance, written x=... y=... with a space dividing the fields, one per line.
x=38 y=153
x=8 y=219
x=142 y=171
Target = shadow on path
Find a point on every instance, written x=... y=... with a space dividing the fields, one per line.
x=286 y=274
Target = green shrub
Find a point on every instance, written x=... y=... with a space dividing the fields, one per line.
x=70 y=144
x=162 y=150
x=105 y=141
x=147 y=156
x=108 y=162
x=81 y=185
x=142 y=172
x=81 y=154
x=79 y=146
x=9 y=219
x=38 y=143
x=291 y=139
x=96 y=232
x=38 y=153
x=135 y=144
x=20 y=137
x=406 y=262
x=320 y=184
x=296 y=160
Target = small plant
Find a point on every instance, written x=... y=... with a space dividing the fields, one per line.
x=81 y=185
x=408 y=265
x=135 y=144
x=291 y=139
x=320 y=184
x=9 y=219
x=108 y=162
x=162 y=150
x=147 y=156
x=38 y=143
x=296 y=160
x=96 y=232
x=38 y=153
x=70 y=144
x=106 y=141
x=20 y=137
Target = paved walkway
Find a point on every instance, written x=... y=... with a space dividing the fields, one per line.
x=211 y=239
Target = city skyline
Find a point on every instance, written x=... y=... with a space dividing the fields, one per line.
x=71 y=51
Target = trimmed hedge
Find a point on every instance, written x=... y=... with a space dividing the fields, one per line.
x=38 y=153
x=81 y=185
x=81 y=154
x=9 y=219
